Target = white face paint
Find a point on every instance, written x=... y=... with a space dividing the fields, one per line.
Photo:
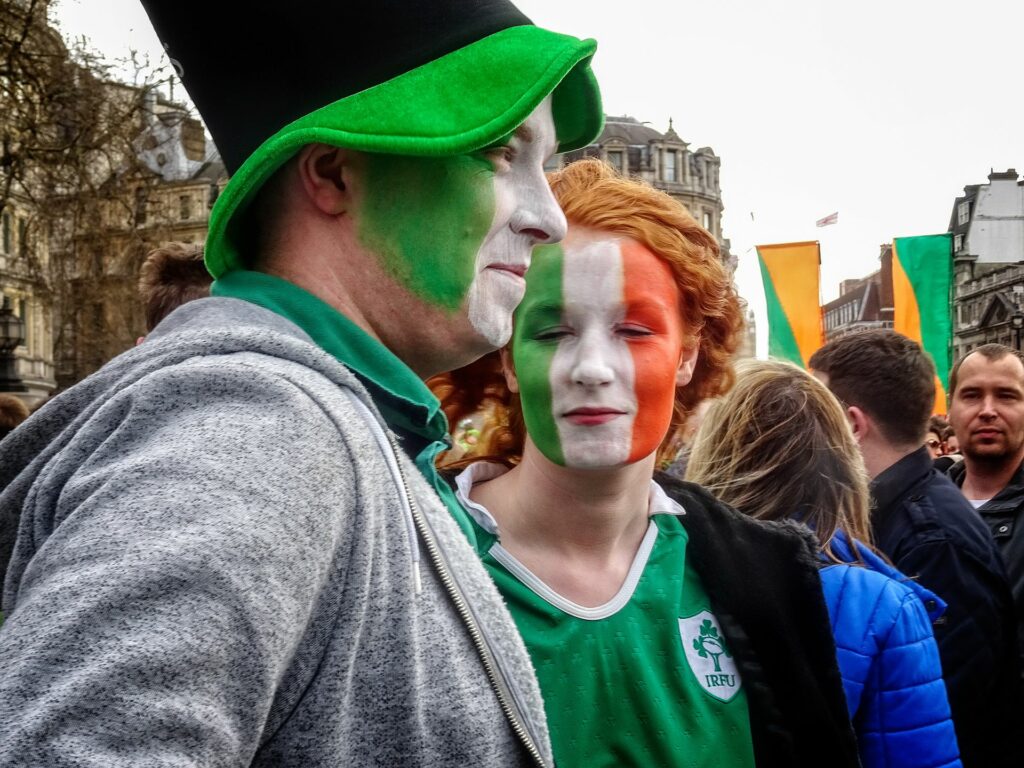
x=525 y=215
x=592 y=372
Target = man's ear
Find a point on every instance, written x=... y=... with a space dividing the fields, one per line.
x=509 y=369
x=860 y=422
x=687 y=362
x=325 y=172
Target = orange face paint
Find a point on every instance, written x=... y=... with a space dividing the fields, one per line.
x=652 y=301
x=597 y=347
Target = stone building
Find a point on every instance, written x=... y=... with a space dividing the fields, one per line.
x=748 y=344
x=163 y=195
x=88 y=186
x=666 y=161
x=987 y=225
x=863 y=303
x=21 y=255
x=73 y=278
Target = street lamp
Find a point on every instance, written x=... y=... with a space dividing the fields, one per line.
x=1017 y=323
x=12 y=333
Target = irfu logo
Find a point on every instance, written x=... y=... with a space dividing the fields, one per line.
x=709 y=658
x=710 y=644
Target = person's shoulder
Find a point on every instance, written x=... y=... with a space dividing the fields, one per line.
x=864 y=586
x=867 y=604
x=934 y=528
x=954 y=514
x=716 y=519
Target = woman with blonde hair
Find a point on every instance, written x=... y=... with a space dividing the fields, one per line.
x=778 y=447
x=651 y=611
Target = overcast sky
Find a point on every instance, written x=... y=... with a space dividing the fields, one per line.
x=882 y=111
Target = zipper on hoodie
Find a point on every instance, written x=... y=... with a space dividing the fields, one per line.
x=494 y=675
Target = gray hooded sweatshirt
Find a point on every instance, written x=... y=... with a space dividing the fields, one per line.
x=218 y=558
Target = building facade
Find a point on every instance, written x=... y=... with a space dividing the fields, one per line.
x=863 y=303
x=667 y=162
x=987 y=228
x=23 y=259
x=162 y=195
x=71 y=266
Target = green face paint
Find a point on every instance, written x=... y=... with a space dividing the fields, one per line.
x=540 y=311
x=426 y=219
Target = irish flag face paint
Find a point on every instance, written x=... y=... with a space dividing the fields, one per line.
x=458 y=231
x=598 y=351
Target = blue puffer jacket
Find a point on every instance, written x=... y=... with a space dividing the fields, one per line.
x=889 y=662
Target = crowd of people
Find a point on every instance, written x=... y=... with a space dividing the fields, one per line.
x=431 y=459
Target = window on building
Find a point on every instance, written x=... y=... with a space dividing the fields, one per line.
x=23 y=314
x=22 y=236
x=615 y=160
x=707 y=220
x=958 y=243
x=7 y=232
x=140 y=205
x=963 y=212
x=669 y=171
x=185 y=207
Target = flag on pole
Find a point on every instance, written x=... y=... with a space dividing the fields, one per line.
x=832 y=218
x=792 y=291
x=922 y=279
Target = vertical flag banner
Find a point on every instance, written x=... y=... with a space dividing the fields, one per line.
x=792 y=289
x=922 y=279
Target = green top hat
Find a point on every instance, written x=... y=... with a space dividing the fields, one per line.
x=408 y=77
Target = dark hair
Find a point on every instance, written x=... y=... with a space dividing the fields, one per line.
x=886 y=375
x=171 y=276
x=991 y=352
x=940 y=427
x=12 y=412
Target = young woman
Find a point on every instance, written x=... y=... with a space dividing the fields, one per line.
x=778 y=446
x=652 y=613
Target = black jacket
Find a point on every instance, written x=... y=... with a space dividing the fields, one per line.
x=930 y=532
x=764 y=586
x=1003 y=513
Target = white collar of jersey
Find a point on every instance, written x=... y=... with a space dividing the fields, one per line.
x=658 y=502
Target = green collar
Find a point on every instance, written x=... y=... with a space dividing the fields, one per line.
x=403 y=399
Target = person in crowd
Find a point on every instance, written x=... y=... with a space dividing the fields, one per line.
x=987 y=412
x=778 y=447
x=693 y=635
x=231 y=548
x=932 y=534
x=13 y=411
x=935 y=437
x=172 y=275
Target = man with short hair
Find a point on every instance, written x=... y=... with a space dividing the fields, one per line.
x=927 y=529
x=172 y=275
x=13 y=411
x=986 y=412
x=232 y=547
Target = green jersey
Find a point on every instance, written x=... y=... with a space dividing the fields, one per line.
x=644 y=680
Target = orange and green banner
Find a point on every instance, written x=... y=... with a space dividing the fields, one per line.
x=922 y=280
x=792 y=290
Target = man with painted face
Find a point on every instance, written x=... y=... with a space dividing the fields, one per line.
x=666 y=629
x=228 y=546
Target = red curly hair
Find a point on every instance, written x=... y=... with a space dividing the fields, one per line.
x=594 y=195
